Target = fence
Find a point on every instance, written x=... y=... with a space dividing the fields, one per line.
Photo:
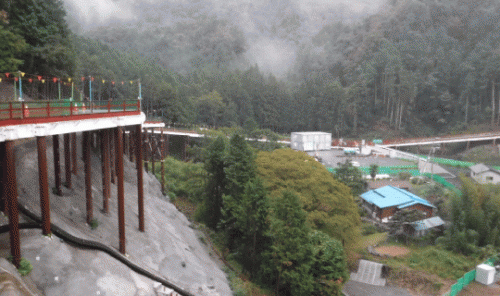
x=12 y=113
x=465 y=280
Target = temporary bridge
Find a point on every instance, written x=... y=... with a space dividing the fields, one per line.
x=107 y=120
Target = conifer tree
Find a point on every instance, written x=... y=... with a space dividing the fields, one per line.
x=216 y=183
x=288 y=262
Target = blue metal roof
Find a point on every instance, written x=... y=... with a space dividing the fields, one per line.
x=390 y=196
x=427 y=223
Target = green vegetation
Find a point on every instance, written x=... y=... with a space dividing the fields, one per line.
x=182 y=178
x=94 y=223
x=329 y=204
x=351 y=176
x=475 y=217
x=37 y=38
x=373 y=171
x=445 y=264
x=264 y=232
x=25 y=266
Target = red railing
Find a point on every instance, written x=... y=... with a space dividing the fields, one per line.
x=15 y=113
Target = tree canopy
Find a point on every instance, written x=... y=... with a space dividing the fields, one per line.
x=329 y=204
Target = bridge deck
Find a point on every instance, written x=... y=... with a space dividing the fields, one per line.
x=19 y=120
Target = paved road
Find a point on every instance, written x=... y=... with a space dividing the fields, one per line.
x=353 y=288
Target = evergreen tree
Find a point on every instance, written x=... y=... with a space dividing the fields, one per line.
x=251 y=215
x=11 y=46
x=351 y=176
x=329 y=267
x=240 y=165
x=42 y=25
x=288 y=262
x=239 y=170
x=216 y=183
x=373 y=171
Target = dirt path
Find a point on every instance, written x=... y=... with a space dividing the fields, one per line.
x=393 y=251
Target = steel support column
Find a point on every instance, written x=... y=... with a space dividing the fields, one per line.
x=88 y=180
x=140 y=189
x=57 y=163
x=3 y=196
x=112 y=152
x=121 y=192
x=126 y=150
x=131 y=145
x=67 y=160
x=105 y=171
x=44 y=184
x=74 y=150
x=10 y=183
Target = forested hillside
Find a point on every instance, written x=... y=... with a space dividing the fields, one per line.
x=418 y=63
x=417 y=67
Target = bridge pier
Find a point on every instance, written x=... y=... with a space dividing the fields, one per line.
x=10 y=184
x=112 y=147
x=88 y=180
x=44 y=184
x=140 y=189
x=74 y=150
x=131 y=145
x=67 y=160
x=3 y=196
x=57 y=163
x=105 y=170
x=121 y=192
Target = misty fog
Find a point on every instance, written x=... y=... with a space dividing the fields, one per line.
x=273 y=30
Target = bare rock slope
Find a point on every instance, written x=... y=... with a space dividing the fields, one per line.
x=169 y=247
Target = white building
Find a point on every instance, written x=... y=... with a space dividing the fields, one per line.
x=311 y=141
x=484 y=174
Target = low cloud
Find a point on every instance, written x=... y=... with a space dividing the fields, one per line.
x=89 y=13
x=272 y=55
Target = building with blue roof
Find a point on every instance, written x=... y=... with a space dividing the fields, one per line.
x=386 y=201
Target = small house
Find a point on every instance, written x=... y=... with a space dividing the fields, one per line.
x=423 y=227
x=384 y=202
x=311 y=141
x=484 y=174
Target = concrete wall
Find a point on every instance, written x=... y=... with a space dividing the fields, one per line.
x=486 y=177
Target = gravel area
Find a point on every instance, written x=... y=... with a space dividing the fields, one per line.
x=331 y=158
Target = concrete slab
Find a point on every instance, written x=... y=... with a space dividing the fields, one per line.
x=369 y=273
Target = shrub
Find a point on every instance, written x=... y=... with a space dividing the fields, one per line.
x=183 y=179
x=94 y=223
x=404 y=175
x=369 y=229
x=25 y=266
